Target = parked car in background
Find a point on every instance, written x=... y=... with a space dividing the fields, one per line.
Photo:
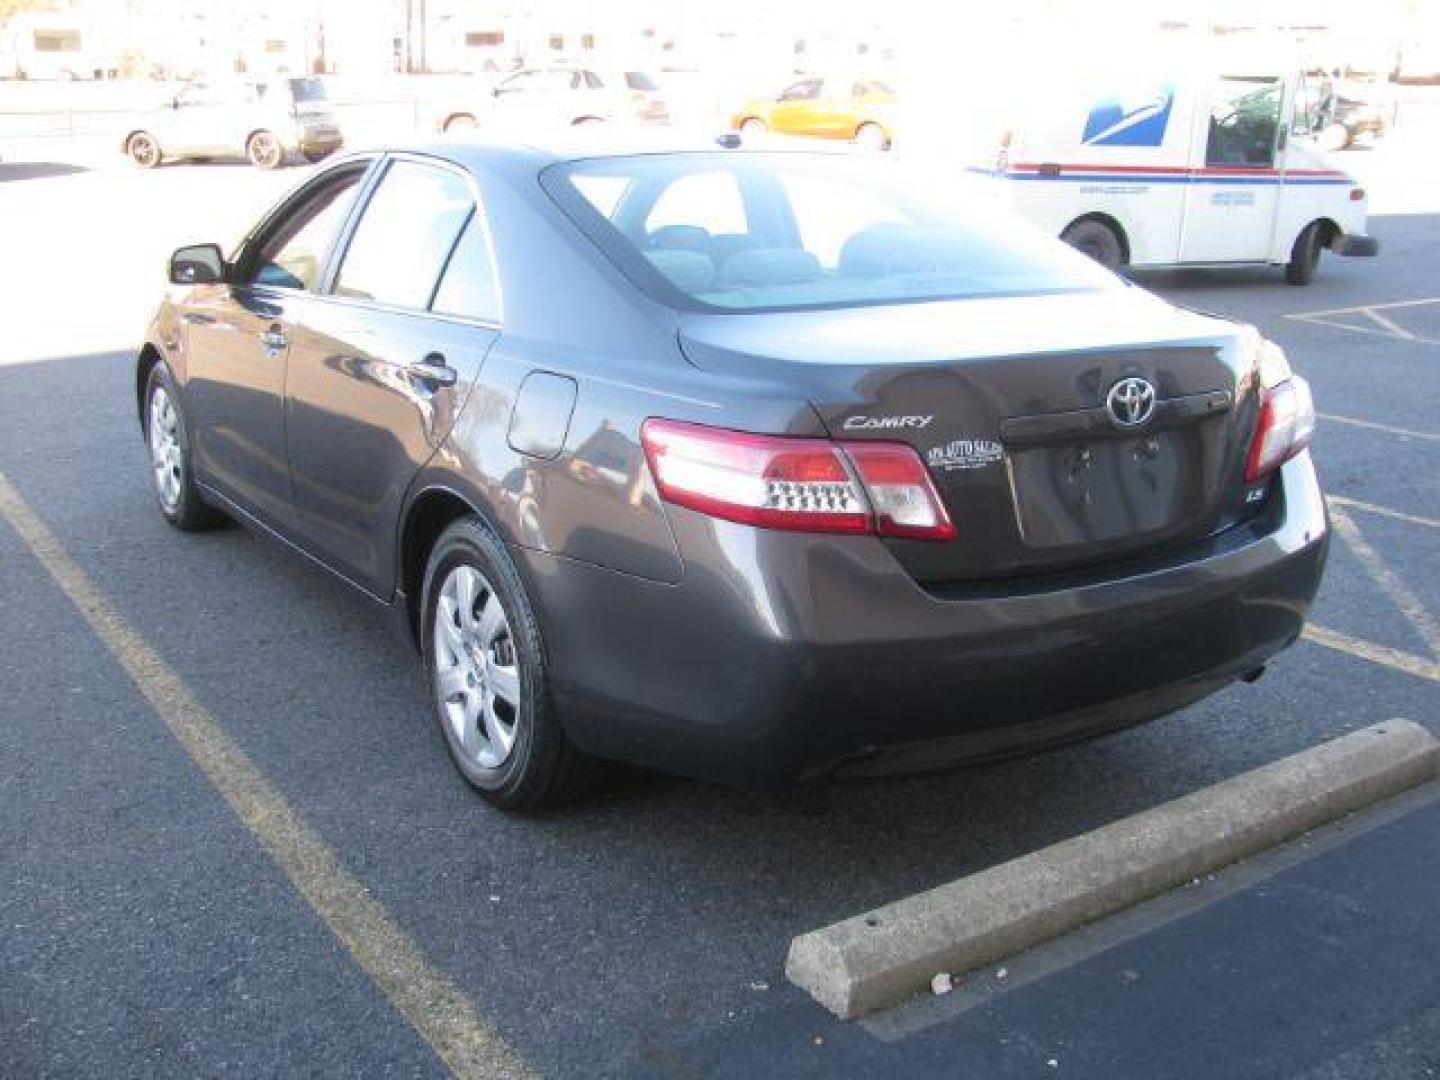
x=557 y=96
x=267 y=121
x=825 y=108
x=1342 y=109
x=826 y=470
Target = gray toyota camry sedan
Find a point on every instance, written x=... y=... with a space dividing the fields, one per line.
x=752 y=466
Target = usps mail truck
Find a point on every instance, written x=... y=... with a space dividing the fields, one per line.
x=1183 y=169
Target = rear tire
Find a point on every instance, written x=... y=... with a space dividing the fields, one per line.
x=317 y=156
x=143 y=149
x=167 y=437
x=1097 y=240
x=871 y=136
x=490 y=687
x=1305 y=255
x=264 y=151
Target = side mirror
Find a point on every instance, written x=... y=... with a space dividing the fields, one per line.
x=198 y=264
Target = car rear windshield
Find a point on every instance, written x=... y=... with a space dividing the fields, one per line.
x=743 y=231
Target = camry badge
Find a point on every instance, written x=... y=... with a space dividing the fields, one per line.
x=866 y=423
x=1131 y=402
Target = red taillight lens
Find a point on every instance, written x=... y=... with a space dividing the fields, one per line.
x=779 y=482
x=1287 y=424
x=901 y=492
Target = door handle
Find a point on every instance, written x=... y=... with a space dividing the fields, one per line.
x=433 y=369
x=274 y=340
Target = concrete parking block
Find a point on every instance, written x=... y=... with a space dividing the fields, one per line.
x=884 y=956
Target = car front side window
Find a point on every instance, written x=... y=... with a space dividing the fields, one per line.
x=292 y=254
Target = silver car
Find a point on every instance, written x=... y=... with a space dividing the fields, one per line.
x=267 y=121
x=556 y=96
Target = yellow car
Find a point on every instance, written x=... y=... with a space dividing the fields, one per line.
x=825 y=108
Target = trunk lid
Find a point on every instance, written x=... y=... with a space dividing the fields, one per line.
x=1005 y=400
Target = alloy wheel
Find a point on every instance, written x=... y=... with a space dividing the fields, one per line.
x=476 y=674
x=264 y=150
x=144 y=151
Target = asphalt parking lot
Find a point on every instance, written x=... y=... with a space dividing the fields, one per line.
x=145 y=929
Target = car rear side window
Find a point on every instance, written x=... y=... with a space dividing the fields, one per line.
x=468 y=287
x=405 y=236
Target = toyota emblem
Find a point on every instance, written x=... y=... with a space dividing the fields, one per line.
x=1131 y=402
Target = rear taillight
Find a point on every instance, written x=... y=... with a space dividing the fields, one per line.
x=780 y=482
x=1287 y=423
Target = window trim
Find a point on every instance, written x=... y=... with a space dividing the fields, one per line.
x=324 y=291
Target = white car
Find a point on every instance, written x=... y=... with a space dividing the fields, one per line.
x=557 y=96
x=267 y=121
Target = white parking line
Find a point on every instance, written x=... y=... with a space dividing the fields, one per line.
x=1373 y=426
x=1382 y=324
x=1409 y=604
x=433 y=1005
x=1376 y=654
x=1383 y=511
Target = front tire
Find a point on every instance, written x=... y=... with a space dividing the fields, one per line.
x=489 y=681
x=264 y=150
x=143 y=149
x=1305 y=255
x=167 y=436
x=460 y=122
x=753 y=127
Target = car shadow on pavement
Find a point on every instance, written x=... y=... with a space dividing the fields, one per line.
x=37 y=170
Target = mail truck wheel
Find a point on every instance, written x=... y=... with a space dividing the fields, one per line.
x=1305 y=255
x=1096 y=239
x=488 y=677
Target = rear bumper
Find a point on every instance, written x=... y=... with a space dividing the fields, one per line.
x=314 y=141
x=781 y=655
x=1355 y=244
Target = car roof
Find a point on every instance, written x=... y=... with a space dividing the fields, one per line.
x=588 y=144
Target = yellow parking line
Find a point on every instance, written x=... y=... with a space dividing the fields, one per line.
x=1376 y=654
x=1428 y=436
x=1383 y=511
x=1409 y=604
x=432 y=1004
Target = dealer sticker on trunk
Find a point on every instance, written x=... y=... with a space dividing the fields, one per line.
x=964 y=454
